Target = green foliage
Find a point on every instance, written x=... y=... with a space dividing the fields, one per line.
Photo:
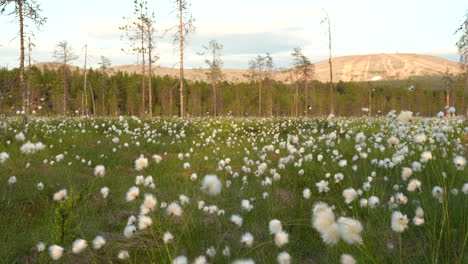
x=65 y=218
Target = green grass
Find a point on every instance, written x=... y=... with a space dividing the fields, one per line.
x=27 y=214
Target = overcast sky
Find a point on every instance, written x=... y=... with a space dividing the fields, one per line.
x=249 y=27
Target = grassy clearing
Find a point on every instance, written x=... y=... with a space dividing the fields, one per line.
x=234 y=150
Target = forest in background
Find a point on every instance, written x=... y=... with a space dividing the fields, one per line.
x=119 y=93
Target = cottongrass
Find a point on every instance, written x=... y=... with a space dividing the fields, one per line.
x=99 y=171
x=275 y=226
x=56 y=252
x=79 y=245
x=60 y=195
x=123 y=254
x=284 y=258
x=281 y=238
x=132 y=193
x=211 y=185
x=399 y=222
x=98 y=242
x=247 y=239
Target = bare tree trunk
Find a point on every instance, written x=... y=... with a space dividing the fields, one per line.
x=306 y=98
x=143 y=69
x=297 y=99
x=92 y=100
x=150 y=89
x=65 y=84
x=260 y=94
x=331 y=66
x=213 y=83
x=21 y=75
x=28 y=98
x=181 y=51
x=85 y=109
x=170 y=102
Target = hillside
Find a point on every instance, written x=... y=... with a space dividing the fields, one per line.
x=346 y=68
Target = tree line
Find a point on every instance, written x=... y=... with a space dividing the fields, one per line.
x=119 y=93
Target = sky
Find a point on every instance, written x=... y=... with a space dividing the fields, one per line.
x=247 y=28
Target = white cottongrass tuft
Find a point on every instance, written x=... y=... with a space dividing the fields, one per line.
x=79 y=245
x=284 y=258
x=4 y=157
x=150 y=201
x=132 y=193
x=399 y=222
x=200 y=260
x=129 y=231
x=99 y=171
x=347 y=259
x=306 y=193
x=275 y=226
x=350 y=195
x=373 y=201
x=350 y=230
x=174 y=209
x=144 y=222
x=414 y=186
x=323 y=220
x=438 y=193
x=236 y=219
x=406 y=173
x=405 y=116
x=12 y=180
x=211 y=185
x=141 y=163
x=60 y=195
x=55 y=252
x=168 y=238
x=157 y=158
x=98 y=242
x=105 y=192
x=40 y=246
x=123 y=254
x=281 y=238
x=180 y=260
x=459 y=162
x=247 y=239
x=426 y=156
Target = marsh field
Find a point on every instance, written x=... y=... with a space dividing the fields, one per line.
x=228 y=190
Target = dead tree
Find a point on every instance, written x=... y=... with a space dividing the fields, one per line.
x=185 y=27
x=135 y=33
x=327 y=20
x=462 y=45
x=269 y=69
x=256 y=68
x=215 y=63
x=23 y=11
x=150 y=37
x=64 y=54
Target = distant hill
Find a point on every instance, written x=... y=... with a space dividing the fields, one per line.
x=347 y=68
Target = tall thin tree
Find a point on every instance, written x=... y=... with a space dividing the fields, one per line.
x=135 y=33
x=256 y=70
x=23 y=11
x=462 y=45
x=215 y=63
x=185 y=27
x=327 y=21
x=269 y=69
x=64 y=54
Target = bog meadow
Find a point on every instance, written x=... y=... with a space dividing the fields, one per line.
x=290 y=159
